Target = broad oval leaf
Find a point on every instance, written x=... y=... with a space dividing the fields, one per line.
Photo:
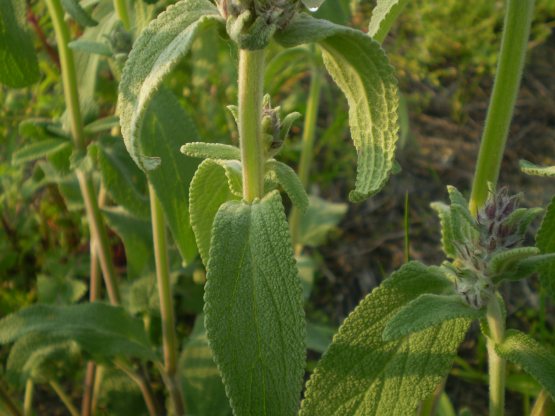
x=360 y=374
x=383 y=16
x=18 y=61
x=361 y=70
x=426 y=311
x=159 y=48
x=534 y=358
x=209 y=190
x=253 y=308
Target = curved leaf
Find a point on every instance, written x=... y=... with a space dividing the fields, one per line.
x=159 y=48
x=360 y=374
x=545 y=241
x=383 y=16
x=534 y=358
x=532 y=169
x=290 y=183
x=18 y=61
x=253 y=308
x=361 y=70
x=211 y=151
x=74 y=9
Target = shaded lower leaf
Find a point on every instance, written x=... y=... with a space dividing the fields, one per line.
x=290 y=183
x=320 y=218
x=39 y=149
x=360 y=374
x=534 y=358
x=545 y=241
x=253 y=308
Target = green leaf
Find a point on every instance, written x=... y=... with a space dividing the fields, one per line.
x=360 y=374
x=447 y=232
x=320 y=218
x=202 y=384
x=136 y=235
x=253 y=308
x=383 y=16
x=427 y=311
x=100 y=329
x=102 y=124
x=159 y=48
x=507 y=259
x=18 y=61
x=59 y=289
x=74 y=9
x=121 y=177
x=166 y=128
x=532 y=169
x=209 y=190
x=290 y=183
x=88 y=46
x=361 y=70
x=535 y=359
x=318 y=337
x=38 y=150
x=211 y=151
x=545 y=241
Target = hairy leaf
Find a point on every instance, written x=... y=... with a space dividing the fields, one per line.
x=102 y=330
x=209 y=190
x=361 y=70
x=320 y=218
x=89 y=46
x=159 y=48
x=545 y=241
x=74 y=9
x=211 y=151
x=290 y=183
x=534 y=358
x=532 y=169
x=253 y=308
x=166 y=128
x=39 y=149
x=447 y=232
x=507 y=259
x=360 y=374
x=427 y=311
x=383 y=16
x=18 y=61
x=202 y=384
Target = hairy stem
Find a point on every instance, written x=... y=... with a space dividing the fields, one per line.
x=8 y=402
x=166 y=304
x=251 y=87
x=307 y=151
x=28 y=400
x=516 y=31
x=543 y=406
x=496 y=364
x=66 y=400
x=121 y=10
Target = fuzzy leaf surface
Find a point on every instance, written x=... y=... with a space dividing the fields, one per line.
x=100 y=329
x=535 y=359
x=427 y=311
x=209 y=190
x=74 y=9
x=159 y=48
x=532 y=169
x=545 y=241
x=383 y=16
x=39 y=149
x=360 y=374
x=18 y=61
x=362 y=71
x=166 y=127
x=290 y=183
x=254 y=308
x=211 y=151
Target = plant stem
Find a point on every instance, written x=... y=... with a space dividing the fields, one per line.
x=516 y=31
x=141 y=381
x=251 y=88
x=123 y=15
x=10 y=405
x=307 y=150
x=28 y=400
x=96 y=389
x=69 y=79
x=166 y=304
x=496 y=364
x=66 y=400
x=543 y=406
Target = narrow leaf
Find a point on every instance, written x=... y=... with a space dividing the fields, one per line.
x=427 y=311
x=360 y=374
x=88 y=46
x=18 y=61
x=211 y=151
x=535 y=359
x=545 y=241
x=447 y=232
x=253 y=308
x=159 y=48
x=532 y=169
x=383 y=16
x=361 y=70
x=290 y=183
x=209 y=190
x=74 y=9
x=38 y=150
